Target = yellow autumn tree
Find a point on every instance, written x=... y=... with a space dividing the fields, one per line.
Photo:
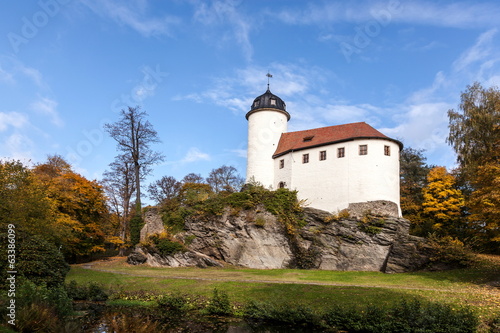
x=484 y=202
x=80 y=203
x=442 y=201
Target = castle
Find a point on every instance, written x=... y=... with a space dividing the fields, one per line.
x=332 y=168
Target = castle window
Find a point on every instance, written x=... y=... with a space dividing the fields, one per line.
x=340 y=152
x=322 y=155
x=282 y=164
x=387 y=150
x=256 y=103
x=281 y=185
x=305 y=158
x=308 y=138
x=273 y=101
x=363 y=149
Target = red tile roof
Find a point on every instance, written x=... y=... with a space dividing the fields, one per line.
x=327 y=135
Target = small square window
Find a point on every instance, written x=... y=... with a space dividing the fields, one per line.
x=340 y=152
x=282 y=164
x=281 y=184
x=387 y=150
x=363 y=149
x=273 y=101
x=322 y=155
x=305 y=158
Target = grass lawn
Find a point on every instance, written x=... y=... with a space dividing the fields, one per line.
x=310 y=287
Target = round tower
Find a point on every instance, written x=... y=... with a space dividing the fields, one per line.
x=267 y=120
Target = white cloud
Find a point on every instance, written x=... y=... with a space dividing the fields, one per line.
x=6 y=76
x=133 y=14
x=11 y=69
x=480 y=51
x=14 y=119
x=47 y=107
x=18 y=147
x=220 y=13
x=457 y=15
x=194 y=155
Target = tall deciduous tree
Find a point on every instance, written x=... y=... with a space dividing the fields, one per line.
x=163 y=189
x=413 y=172
x=442 y=201
x=192 y=178
x=80 y=204
x=119 y=183
x=134 y=135
x=475 y=137
x=475 y=126
x=225 y=178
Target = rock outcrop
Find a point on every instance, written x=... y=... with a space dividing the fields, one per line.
x=143 y=255
x=255 y=238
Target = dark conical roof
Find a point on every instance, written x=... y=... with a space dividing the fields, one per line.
x=268 y=100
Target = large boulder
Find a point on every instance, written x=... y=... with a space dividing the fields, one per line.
x=147 y=255
x=250 y=238
x=255 y=238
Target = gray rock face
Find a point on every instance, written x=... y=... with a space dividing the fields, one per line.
x=256 y=239
x=153 y=224
x=251 y=238
x=342 y=245
x=379 y=207
x=141 y=255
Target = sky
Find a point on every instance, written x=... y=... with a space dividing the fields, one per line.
x=67 y=67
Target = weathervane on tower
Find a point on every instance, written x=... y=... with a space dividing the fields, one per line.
x=268 y=77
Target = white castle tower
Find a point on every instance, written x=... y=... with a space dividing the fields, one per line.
x=267 y=120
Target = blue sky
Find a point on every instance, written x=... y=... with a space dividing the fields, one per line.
x=68 y=66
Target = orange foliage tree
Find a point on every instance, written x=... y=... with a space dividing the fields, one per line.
x=80 y=204
x=442 y=201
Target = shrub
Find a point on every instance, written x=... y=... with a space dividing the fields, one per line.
x=371 y=225
x=167 y=247
x=41 y=262
x=219 y=304
x=260 y=222
x=89 y=292
x=406 y=316
x=54 y=298
x=173 y=303
x=451 y=251
x=136 y=224
x=282 y=313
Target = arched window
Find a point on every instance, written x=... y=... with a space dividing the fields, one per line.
x=281 y=184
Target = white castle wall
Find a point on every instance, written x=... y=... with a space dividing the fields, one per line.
x=264 y=130
x=335 y=182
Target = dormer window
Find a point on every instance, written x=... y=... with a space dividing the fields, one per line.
x=308 y=138
x=256 y=103
x=273 y=101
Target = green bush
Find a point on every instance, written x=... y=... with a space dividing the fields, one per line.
x=136 y=224
x=451 y=251
x=55 y=298
x=407 y=316
x=167 y=247
x=219 y=304
x=89 y=292
x=173 y=303
x=282 y=313
x=41 y=262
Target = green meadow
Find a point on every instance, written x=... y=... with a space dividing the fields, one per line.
x=476 y=287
